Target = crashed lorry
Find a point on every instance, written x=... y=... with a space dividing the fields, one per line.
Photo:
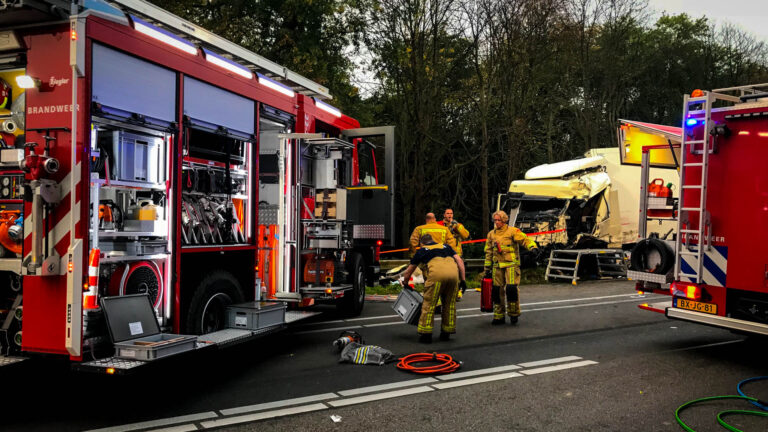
x=164 y=191
x=590 y=202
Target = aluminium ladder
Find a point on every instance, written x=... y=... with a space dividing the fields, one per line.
x=702 y=232
x=565 y=263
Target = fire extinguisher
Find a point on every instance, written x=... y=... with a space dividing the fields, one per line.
x=486 y=300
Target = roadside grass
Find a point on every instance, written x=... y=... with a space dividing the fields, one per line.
x=530 y=276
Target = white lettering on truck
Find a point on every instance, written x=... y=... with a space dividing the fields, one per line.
x=50 y=109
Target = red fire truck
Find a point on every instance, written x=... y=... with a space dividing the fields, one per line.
x=718 y=261
x=144 y=155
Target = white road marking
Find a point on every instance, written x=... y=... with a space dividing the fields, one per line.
x=379 y=317
x=214 y=420
x=379 y=396
x=161 y=422
x=460 y=375
x=564 y=301
x=706 y=345
x=329 y=329
x=389 y=323
x=278 y=404
x=484 y=314
x=470 y=381
x=376 y=388
x=180 y=428
x=557 y=368
x=550 y=361
x=581 y=305
x=263 y=415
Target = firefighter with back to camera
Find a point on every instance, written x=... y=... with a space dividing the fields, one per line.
x=439 y=234
x=502 y=264
x=445 y=270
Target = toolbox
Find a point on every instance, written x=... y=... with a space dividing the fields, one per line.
x=408 y=305
x=255 y=315
x=134 y=330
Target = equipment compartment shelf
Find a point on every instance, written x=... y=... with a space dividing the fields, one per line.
x=118 y=234
x=217 y=247
x=122 y=258
x=118 y=184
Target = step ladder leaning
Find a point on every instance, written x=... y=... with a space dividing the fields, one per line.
x=564 y=263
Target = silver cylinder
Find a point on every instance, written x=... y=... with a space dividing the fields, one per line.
x=9 y=126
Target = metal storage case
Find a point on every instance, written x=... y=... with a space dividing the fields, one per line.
x=134 y=330
x=138 y=158
x=255 y=315
x=408 y=305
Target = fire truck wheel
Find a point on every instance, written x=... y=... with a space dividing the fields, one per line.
x=352 y=302
x=208 y=308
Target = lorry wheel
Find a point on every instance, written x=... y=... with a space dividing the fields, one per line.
x=352 y=302
x=208 y=307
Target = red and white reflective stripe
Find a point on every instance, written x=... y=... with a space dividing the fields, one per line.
x=59 y=232
x=91 y=297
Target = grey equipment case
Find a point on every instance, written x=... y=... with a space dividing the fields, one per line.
x=408 y=305
x=135 y=332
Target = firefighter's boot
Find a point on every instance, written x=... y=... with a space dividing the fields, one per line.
x=425 y=338
x=513 y=303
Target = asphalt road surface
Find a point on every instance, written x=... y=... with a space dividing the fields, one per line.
x=582 y=358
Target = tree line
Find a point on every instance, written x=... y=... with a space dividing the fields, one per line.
x=482 y=90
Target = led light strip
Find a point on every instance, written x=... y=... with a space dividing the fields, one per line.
x=163 y=36
x=228 y=64
x=276 y=86
x=327 y=108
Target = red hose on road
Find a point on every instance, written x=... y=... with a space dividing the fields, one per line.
x=445 y=363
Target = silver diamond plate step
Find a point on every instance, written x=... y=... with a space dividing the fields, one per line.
x=293 y=316
x=649 y=277
x=225 y=336
x=5 y=361
x=116 y=363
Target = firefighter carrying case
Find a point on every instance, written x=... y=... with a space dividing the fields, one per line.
x=135 y=332
x=408 y=305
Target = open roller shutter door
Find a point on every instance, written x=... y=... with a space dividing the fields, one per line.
x=132 y=85
x=211 y=106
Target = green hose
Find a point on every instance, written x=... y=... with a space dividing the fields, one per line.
x=723 y=423
x=742 y=412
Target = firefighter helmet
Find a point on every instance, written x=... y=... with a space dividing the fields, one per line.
x=5 y=95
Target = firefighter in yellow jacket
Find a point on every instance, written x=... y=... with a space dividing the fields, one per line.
x=446 y=272
x=502 y=263
x=439 y=234
x=459 y=234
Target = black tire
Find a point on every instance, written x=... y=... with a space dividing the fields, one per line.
x=652 y=256
x=207 y=309
x=352 y=302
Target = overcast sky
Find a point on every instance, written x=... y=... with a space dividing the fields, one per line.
x=752 y=15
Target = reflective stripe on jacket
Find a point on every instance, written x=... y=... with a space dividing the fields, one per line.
x=439 y=234
x=502 y=247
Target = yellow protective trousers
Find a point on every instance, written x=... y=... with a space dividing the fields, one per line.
x=505 y=290
x=435 y=291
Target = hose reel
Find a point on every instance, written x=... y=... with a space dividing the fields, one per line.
x=140 y=277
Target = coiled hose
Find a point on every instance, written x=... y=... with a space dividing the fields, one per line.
x=444 y=363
